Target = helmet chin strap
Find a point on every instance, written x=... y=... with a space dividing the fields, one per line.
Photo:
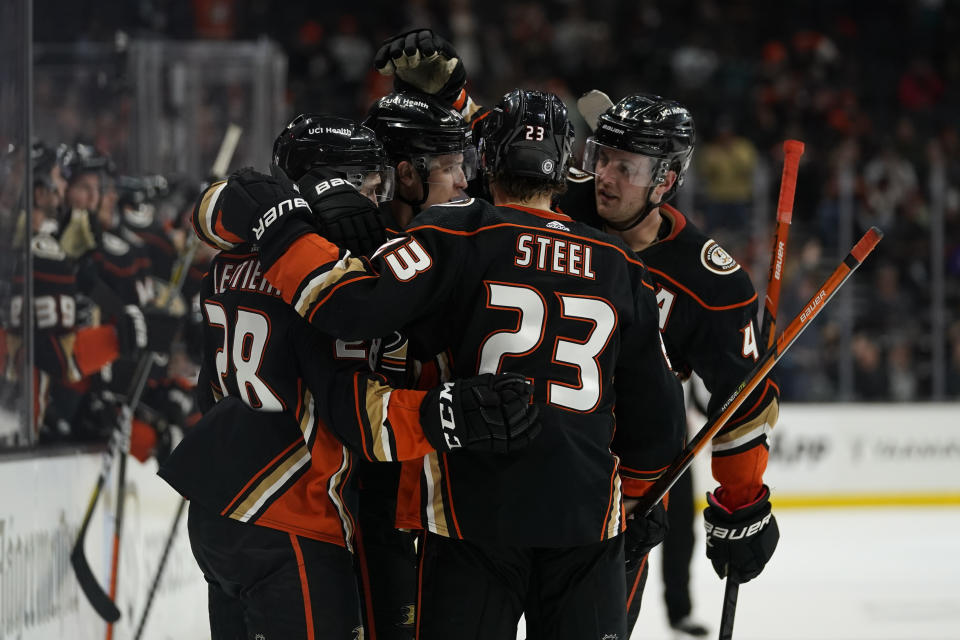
x=415 y=204
x=644 y=212
x=637 y=219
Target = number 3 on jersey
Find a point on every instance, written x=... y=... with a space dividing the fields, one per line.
x=251 y=331
x=530 y=332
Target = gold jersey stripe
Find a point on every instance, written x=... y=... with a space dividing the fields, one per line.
x=436 y=513
x=319 y=284
x=271 y=484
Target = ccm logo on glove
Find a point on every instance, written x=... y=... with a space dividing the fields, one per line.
x=723 y=533
x=275 y=212
x=447 y=422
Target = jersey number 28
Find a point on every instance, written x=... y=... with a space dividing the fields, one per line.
x=250 y=332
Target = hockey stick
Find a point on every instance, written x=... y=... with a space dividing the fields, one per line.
x=792 y=150
x=160 y=567
x=217 y=172
x=103 y=603
x=824 y=294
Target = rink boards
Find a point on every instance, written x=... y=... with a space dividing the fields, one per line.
x=821 y=455
x=44 y=501
x=862 y=455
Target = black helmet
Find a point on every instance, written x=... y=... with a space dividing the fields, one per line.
x=75 y=160
x=43 y=159
x=651 y=126
x=342 y=145
x=527 y=134
x=414 y=127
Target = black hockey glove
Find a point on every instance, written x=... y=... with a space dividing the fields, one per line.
x=740 y=542
x=254 y=207
x=420 y=60
x=131 y=331
x=489 y=413
x=150 y=330
x=342 y=214
x=644 y=532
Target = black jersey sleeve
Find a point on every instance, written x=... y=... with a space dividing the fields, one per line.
x=407 y=278
x=649 y=409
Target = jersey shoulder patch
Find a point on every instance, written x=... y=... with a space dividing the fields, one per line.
x=716 y=260
x=695 y=265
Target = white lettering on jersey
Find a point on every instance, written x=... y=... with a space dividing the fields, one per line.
x=554 y=255
x=750 y=342
x=665 y=300
x=353 y=350
x=409 y=260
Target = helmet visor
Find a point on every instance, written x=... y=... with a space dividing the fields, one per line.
x=457 y=163
x=373 y=181
x=639 y=170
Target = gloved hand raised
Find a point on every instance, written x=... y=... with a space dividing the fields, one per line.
x=420 y=60
x=740 y=541
x=489 y=413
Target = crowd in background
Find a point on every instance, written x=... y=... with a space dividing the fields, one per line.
x=870 y=88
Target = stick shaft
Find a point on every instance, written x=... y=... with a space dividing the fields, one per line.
x=730 y=593
x=792 y=150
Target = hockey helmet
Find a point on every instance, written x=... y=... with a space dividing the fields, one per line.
x=339 y=144
x=44 y=159
x=80 y=158
x=417 y=128
x=527 y=134
x=660 y=131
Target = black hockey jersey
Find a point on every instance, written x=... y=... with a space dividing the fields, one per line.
x=528 y=291
x=285 y=410
x=708 y=311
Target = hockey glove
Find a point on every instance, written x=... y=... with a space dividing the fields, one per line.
x=644 y=532
x=254 y=207
x=740 y=542
x=420 y=60
x=342 y=215
x=139 y=331
x=489 y=413
x=131 y=331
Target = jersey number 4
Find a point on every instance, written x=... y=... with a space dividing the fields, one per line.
x=529 y=335
x=243 y=355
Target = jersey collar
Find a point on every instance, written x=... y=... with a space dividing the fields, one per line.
x=540 y=213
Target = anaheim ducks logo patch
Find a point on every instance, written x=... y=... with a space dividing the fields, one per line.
x=715 y=259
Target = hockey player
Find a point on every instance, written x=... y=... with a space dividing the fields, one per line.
x=514 y=286
x=431 y=147
x=270 y=468
x=633 y=165
x=69 y=347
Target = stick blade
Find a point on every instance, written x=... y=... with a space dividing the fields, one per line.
x=591 y=105
x=98 y=598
